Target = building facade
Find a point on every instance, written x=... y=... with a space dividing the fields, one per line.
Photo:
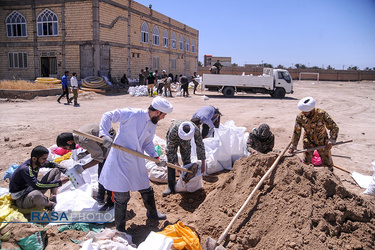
x=91 y=37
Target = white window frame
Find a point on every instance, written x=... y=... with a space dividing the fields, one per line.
x=174 y=41
x=165 y=39
x=49 y=20
x=15 y=60
x=174 y=63
x=155 y=36
x=181 y=43
x=193 y=46
x=14 y=21
x=187 y=44
x=144 y=33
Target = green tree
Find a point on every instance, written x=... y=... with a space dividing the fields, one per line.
x=267 y=65
x=303 y=66
x=353 y=68
x=200 y=64
x=329 y=67
x=315 y=67
x=280 y=67
x=234 y=64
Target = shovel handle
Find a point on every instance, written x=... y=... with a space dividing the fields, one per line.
x=127 y=150
x=320 y=147
x=222 y=236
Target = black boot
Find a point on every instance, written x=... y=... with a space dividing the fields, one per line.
x=149 y=201
x=121 y=205
x=171 y=182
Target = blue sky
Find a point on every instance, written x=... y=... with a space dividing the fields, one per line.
x=340 y=33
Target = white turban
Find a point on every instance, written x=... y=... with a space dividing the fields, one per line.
x=306 y=104
x=182 y=134
x=162 y=105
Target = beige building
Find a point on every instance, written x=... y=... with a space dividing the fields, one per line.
x=49 y=37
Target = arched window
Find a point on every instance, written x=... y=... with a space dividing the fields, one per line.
x=174 y=41
x=155 y=36
x=187 y=44
x=144 y=33
x=193 y=46
x=47 y=23
x=181 y=42
x=16 y=25
x=165 y=39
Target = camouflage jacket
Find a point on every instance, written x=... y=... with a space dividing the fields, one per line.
x=174 y=141
x=261 y=146
x=315 y=128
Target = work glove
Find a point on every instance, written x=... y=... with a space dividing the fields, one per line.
x=107 y=141
x=162 y=163
x=78 y=168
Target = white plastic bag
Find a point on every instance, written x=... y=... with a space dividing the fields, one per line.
x=156 y=241
x=193 y=185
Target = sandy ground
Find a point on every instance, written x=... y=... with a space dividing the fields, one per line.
x=350 y=104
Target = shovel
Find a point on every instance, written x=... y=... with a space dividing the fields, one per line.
x=320 y=147
x=211 y=243
x=127 y=150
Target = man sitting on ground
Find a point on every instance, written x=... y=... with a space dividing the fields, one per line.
x=27 y=190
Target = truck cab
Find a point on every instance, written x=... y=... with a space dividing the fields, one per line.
x=282 y=82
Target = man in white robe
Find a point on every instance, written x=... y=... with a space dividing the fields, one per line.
x=124 y=172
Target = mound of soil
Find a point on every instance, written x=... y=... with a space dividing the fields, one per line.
x=299 y=206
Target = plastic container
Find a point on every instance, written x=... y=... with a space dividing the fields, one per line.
x=75 y=178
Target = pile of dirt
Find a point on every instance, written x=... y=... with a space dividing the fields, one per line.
x=298 y=207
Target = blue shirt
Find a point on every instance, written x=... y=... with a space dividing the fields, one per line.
x=64 y=81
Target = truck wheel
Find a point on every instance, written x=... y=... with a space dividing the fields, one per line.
x=279 y=93
x=228 y=91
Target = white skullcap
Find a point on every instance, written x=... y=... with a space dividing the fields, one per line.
x=182 y=134
x=306 y=104
x=164 y=71
x=162 y=105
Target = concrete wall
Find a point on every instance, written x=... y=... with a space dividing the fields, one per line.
x=324 y=75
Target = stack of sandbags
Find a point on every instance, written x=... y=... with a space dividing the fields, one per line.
x=47 y=80
x=94 y=82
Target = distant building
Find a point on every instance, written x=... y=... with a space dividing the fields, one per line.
x=252 y=65
x=48 y=37
x=210 y=60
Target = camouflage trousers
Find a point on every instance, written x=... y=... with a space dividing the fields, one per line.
x=325 y=155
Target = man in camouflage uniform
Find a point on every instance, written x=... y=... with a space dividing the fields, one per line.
x=314 y=121
x=179 y=135
x=260 y=140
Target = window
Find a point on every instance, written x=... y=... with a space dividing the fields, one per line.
x=187 y=64
x=47 y=24
x=17 y=60
x=16 y=25
x=144 y=33
x=174 y=41
x=155 y=36
x=187 y=44
x=155 y=62
x=193 y=46
x=173 y=64
x=165 y=39
x=181 y=42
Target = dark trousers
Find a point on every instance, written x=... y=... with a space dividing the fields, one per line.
x=102 y=190
x=185 y=89
x=65 y=92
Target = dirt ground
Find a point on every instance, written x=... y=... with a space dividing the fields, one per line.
x=350 y=104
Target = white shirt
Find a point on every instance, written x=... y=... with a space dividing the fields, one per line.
x=123 y=172
x=74 y=82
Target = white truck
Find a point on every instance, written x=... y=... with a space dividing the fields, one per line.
x=276 y=82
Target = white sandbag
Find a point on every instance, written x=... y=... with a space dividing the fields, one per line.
x=108 y=239
x=211 y=146
x=193 y=185
x=158 y=174
x=371 y=187
x=223 y=154
x=156 y=241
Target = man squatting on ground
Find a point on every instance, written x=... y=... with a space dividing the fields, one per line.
x=27 y=190
x=180 y=134
x=98 y=154
x=124 y=172
x=314 y=121
x=261 y=140
x=210 y=119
